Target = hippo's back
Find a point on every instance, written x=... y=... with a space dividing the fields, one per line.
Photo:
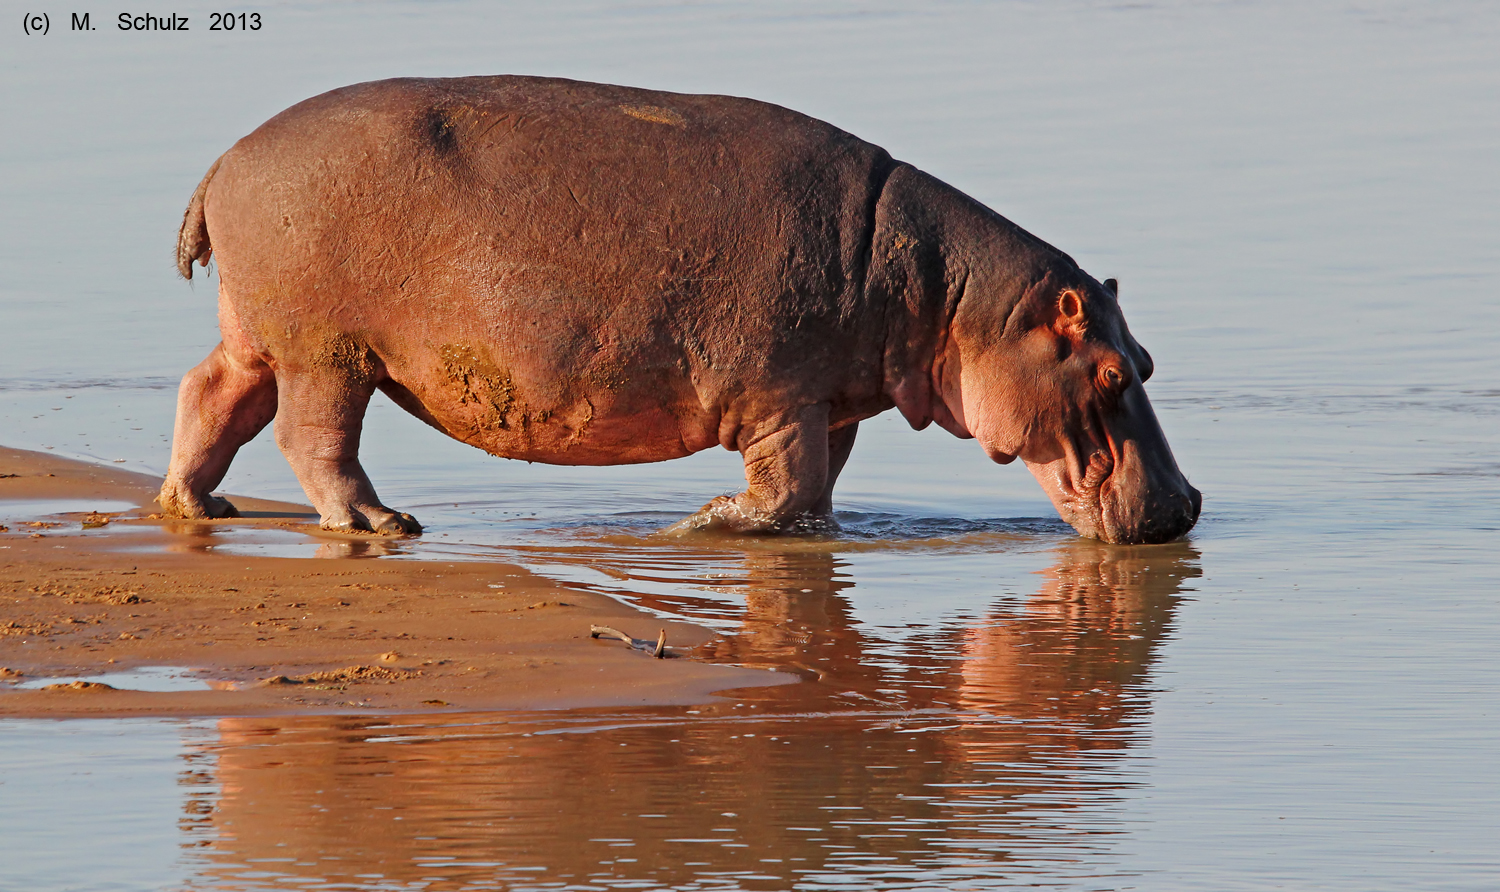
x=543 y=169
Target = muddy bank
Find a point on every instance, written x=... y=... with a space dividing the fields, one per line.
x=90 y=593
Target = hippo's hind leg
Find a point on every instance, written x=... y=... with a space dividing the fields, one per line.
x=789 y=485
x=320 y=411
x=222 y=404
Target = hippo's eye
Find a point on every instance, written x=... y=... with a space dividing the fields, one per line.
x=1113 y=378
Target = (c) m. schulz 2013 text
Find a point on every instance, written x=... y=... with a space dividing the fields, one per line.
x=41 y=23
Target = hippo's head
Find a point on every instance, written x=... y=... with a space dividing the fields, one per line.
x=1057 y=380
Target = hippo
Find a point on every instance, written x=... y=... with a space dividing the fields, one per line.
x=585 y=274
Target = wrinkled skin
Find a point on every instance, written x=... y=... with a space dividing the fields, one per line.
x=582 y=274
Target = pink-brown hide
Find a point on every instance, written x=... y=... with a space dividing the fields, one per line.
x=584 y=274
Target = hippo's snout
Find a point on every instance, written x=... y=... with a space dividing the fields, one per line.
x=1161 y=514
x=1122 y=503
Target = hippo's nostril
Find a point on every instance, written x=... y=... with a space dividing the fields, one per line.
x=1195 y=498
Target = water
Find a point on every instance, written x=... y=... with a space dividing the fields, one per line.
x=164 y=679
x=1301 y=204
x=32 y=509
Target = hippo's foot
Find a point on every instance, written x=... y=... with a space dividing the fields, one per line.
x=371 y=519
x=179 y=501
x=728 y=514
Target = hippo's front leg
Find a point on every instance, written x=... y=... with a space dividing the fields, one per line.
x=786 y=472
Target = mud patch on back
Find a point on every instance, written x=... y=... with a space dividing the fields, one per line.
x=655 y=114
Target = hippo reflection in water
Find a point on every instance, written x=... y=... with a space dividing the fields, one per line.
x=1010 y=705
x=583 y=274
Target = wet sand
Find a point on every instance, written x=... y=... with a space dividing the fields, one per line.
x=285 y=635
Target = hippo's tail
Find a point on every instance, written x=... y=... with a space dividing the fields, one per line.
x=192 y=238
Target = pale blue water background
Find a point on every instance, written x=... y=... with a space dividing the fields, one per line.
x=1302 y=203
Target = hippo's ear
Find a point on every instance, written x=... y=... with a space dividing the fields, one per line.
x=1113 y=285
x=1044 y=306
x=1071 y=320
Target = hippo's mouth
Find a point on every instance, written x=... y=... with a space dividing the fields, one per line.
x=1080 y=497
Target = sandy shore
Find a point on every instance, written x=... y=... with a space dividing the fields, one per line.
x=283 y=635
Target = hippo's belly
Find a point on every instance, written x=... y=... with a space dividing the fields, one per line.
x=552 y=415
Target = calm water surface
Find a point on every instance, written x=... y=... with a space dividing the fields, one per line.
x=1302 y=207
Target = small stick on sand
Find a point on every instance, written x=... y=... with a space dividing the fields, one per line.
x=657 y=648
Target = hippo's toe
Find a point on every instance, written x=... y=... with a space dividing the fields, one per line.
x=378 y=519
x=399 y=524
x=217 y=507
